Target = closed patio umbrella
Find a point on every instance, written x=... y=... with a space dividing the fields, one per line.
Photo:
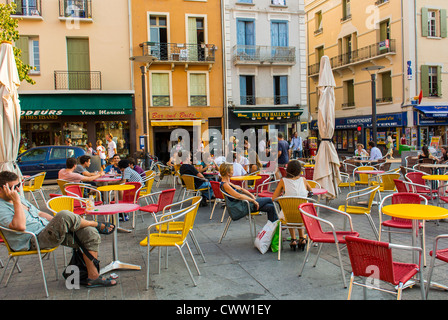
x=326 y=170
x=10 y=109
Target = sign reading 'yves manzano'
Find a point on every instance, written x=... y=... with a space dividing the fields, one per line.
x=39 y=105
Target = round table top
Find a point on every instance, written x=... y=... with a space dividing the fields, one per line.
x=437 y=177
x=369 y=171
x=415 y=211
x=115 y=187
x=241 y=178
x=318 y=191
x=434 y=165
x=109 y=209
x=107 y=179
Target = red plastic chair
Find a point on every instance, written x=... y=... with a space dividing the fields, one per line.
x=264 y=178
x=440 y=254
x=77 y=190
x=373 y=260
x=313 y=227
x=403 y=224
x=309 y=173
x=417 y=178
x=165 y=198
x=219 y=198
x=282 y=171
x=400 y=185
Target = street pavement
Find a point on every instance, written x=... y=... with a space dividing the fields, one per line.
x=234 y=270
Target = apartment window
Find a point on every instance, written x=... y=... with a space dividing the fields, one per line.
x=196 y=38
x=278 y=2
x=346 y=11
x=75 y=8
x=279 y=34
x=349 y=94
x=431 y=81
x=245 y=1
x=318 y=20
x=280 y=90
x=434 y=23
x=247 y=90
x=198 y=89
x=27 y=7
x=159 y=35
x=319 y=54
x=386 y=87
x=160 y=89
x=30 y=52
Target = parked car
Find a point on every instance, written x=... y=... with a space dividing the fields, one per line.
x=50 y=159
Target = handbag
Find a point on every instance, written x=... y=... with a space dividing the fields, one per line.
x=238 y=208
x=77 y=260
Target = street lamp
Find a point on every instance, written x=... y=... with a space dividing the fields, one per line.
x=373 y=70
x=148 y=60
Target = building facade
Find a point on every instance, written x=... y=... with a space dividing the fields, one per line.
x=265 y=52
x=183 y=87
x=399 y=37
x=83 y=87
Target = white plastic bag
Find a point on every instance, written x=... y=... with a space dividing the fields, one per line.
x=264 y=237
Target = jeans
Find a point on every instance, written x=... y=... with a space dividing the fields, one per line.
x=266 y=205
x=297 y=154
x=204 y=185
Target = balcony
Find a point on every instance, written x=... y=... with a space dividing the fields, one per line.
x=374 y=51
x=180 y=53
x=77 y=80
x=259 y=55
x=26 y=8
x=80 y=9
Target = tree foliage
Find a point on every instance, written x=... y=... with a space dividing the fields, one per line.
x=8 y=32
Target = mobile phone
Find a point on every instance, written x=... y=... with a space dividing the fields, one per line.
x=114 y=276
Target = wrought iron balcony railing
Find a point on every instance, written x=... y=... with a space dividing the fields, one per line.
x=357 y=56
x=184 y=52
x=27 y=8
x=247 y=100
x=264 y=54
x=77 y=80
x=75 y=9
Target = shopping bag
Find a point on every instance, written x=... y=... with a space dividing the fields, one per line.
x=264 y=237
x=275 y=237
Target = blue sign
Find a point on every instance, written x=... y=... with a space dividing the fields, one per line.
x=142 y=142
x=382 y=121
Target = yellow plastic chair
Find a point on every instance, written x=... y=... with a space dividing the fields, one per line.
x=314 y=184
x=147 y=187
x=189 y=186
x=291 y=215
x=165 y=238
x=352 y=209
x=61 y=184
x=15 y=255
x=387 y=182
x=363 y=177
x=346 y=183
x=35 y=185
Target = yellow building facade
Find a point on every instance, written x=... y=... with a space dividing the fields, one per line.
x=184 y=84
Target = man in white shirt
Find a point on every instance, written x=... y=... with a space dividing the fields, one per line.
x=111 y=146
x=375 y=153
x=296 y=146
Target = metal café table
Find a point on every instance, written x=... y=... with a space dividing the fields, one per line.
x=113 y=210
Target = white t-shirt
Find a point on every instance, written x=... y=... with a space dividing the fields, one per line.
x=110 y=148
x=101 y=152
x=238 y=170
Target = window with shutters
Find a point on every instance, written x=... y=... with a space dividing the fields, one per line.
x=29 y=46
x=431 y=81
x=198 y=88
x=434 y=23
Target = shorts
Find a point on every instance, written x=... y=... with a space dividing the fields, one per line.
x=60 y=230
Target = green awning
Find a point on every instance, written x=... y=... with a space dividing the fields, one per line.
x=75 y=104
x=273 y=112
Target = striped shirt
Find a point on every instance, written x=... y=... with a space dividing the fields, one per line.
x=131 y=175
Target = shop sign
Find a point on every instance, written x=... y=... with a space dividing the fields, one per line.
x=176 y=115
x=424 y=120
x=260 y=115
x=43 y=114
x=383 y=120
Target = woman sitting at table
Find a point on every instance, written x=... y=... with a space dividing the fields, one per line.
x=360 y=151
x=294 y=185
x=425 y=155
x=260 y=204
x=444 y=156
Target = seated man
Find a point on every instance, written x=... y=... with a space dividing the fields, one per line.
x=136 y=168
x=189 y=169
x=84 y=163
x=375 y=153
x=127 y=174
x=68 y=173
x=17 y=213
x=113 y=164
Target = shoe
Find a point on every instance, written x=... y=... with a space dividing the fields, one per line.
x=293 y=244
x=302 y=243
x=123 y=217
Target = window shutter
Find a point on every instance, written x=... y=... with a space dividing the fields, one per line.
x=425 y=81
x=23 y=44
x=443 y=24
x=439 y=81
x=425 y=22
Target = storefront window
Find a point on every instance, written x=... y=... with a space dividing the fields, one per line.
x=39 y=134
x=120 y=133
x=77 y=132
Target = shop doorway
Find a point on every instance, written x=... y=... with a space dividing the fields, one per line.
x=163 y=145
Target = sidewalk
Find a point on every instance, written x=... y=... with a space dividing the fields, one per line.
x=234 y=270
